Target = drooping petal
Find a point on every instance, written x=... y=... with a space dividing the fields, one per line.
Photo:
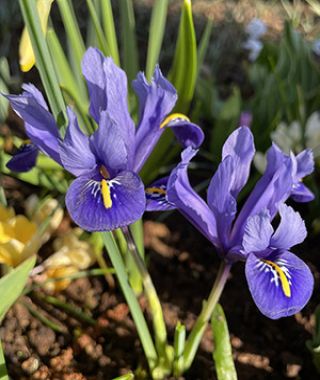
x=272 y=189
x=257 y=233
x=24 y=159
x=187 y=133
x=291 y=230
x=240 y=147
x=301 y=193
x=156 y=196
x=280 y=285
x=181 y=194
x=107 y=85
x=75 y=152
x=220 y=199
x=156 y=100
x=40 y=125
x=96 y=204
x=108 y=145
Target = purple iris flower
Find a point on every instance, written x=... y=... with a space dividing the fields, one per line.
x=107 y=192
x=280 y=283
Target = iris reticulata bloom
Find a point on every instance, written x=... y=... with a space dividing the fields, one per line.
x=107 y=193
x=280 y=282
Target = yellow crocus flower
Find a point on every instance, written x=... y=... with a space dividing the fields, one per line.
x=27 y=58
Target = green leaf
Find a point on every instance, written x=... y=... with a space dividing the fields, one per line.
x=109 y=30
x=43 y=60
x=183 y=73
x=127 y=376
x=179 y=345
x=102 y=43
x=75 y=41
x=128 y=39
x=3 y=368
x=156 y=33
x=222 y=354
x=4 y=102
x=204 y=44
x=12 y=284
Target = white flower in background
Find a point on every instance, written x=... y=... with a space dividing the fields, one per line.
x=255 y=30
x=290 y=138
x=316 y=47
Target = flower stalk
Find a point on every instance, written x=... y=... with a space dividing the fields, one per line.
x=199 y=327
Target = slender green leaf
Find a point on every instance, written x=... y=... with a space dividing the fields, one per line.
x=204 y=44
x=75 y=41
x=128 y=39
x=12 y=284
x=314 y=4
x=109 y=29
x=136 y=312
x=156 y=33
x=127 y=376
x=179 y=345
x=4 y=102
x=102 y=43
x=91 y=36
x=43 y=60
x=183 y=73
x=3 y=368
x=222 y=354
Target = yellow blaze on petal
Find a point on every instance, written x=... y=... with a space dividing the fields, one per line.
x=106 y=196
x=24 y=230
x=157 y=190
x=27 y=58
x=5 y=213
x=173 y=116
x=283 y=278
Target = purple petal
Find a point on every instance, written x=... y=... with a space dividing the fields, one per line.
x=291 y=230
x=187 y=133
x=181 y=194
x=300 y=193
x=257 y=233
x=272 y=189
x=25 y=158
x=86 y=205
x=40 y=125
x=156 y=100
x=305 y=163
x=156 y=195
x=108 y=146
x=280 y=285
x=240 y=147
x=107 y=85
x=220 y=200
x=75 y=152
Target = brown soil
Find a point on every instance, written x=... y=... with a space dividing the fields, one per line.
x=183 y=266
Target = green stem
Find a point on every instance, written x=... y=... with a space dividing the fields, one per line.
x=135 y=309
x=199 y=327
x=159 y=326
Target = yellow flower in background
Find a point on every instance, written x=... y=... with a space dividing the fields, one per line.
x=71 y=256
x=21 y=237
x=27 y=58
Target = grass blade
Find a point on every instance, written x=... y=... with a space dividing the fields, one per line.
x=204 y=44
x=128 y=39
x=43 y=60
x=3 y=368
x=156 y=33
x=222 y=354
x=184 y=69
x=109 y=30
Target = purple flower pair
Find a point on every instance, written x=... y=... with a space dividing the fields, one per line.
x=280 y=283
x=107 y=192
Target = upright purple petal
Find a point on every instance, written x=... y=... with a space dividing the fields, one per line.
x=156 y=196
x=221 y=201
x=291 y=230
x=108 y=146
x=87 y=208
x=272 y=189
x=75 y=152
x=280 y=284
x=40 y=125
x=305 y=163
x=181 y=194
x=156 y=100
x=257 y=233
x=24 y=159
x=240 y=147
x=107 y=85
